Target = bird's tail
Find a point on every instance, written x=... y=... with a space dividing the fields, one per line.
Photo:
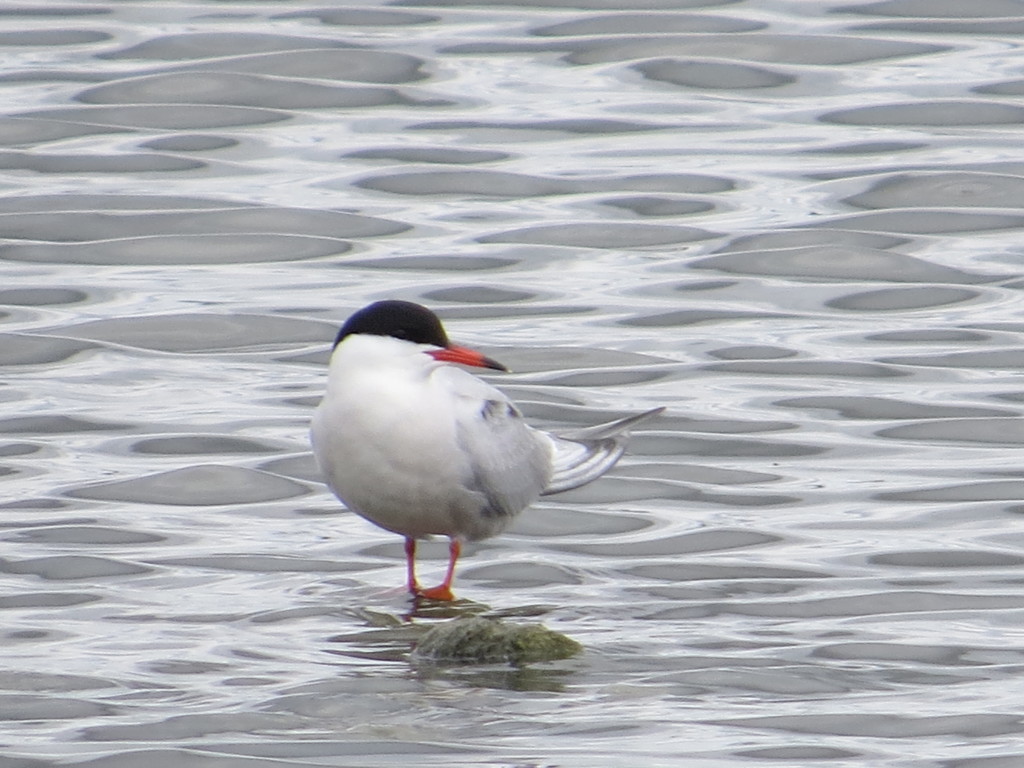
x=584 y=455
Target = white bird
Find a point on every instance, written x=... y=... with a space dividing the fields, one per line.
x=420 y=447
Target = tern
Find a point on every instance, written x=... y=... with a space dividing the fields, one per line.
x=421 y=447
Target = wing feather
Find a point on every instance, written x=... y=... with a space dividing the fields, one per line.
x=508 y=462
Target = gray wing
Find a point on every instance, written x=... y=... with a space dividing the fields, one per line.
x=505 y=461
x=585 y=455
x=510 y=463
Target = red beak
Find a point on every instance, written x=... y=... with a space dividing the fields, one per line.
x=465 y=356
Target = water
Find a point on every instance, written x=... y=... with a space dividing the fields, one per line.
x=797 y=225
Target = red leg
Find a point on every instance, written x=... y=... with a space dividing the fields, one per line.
x=410 y=565
x=444 y=590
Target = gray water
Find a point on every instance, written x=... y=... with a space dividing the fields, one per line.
x=797 y=225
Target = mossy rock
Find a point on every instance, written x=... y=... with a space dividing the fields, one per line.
x=477 y=640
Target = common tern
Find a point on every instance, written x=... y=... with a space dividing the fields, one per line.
x=421 y=447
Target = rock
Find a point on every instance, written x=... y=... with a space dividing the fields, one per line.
x=477 y=640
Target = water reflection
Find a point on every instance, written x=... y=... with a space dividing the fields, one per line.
x=797 y=228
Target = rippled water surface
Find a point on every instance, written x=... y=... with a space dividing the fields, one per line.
x=797 y=225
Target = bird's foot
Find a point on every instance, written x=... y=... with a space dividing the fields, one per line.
x=440 y=592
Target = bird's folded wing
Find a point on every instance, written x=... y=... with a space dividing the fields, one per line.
x=506 y=460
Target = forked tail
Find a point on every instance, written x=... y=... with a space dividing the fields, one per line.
x=586 y=454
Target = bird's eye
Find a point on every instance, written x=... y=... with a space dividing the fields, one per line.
x=401 y=333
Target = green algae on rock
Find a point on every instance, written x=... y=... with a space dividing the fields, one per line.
x=477 y=640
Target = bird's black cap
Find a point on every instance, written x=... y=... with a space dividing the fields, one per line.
x=400 y=319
